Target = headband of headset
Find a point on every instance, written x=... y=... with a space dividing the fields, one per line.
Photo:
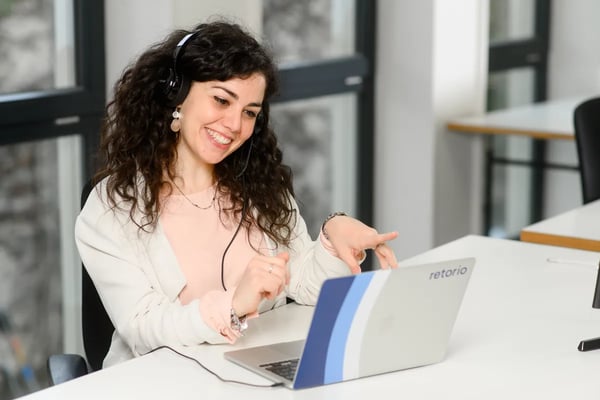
x=177 y=84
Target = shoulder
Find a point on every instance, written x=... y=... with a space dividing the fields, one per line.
x=98 y=195
x=98 y=208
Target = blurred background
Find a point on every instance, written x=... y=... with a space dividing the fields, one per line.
x=366 y=89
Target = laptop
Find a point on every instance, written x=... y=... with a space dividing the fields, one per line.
x=367 y=324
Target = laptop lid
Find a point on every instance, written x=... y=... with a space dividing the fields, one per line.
x=377 y=322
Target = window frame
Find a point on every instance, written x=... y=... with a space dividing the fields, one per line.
x=47 y=114
x=350 y=74
x=532 y=53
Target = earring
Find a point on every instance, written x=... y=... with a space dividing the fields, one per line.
x=176 y=124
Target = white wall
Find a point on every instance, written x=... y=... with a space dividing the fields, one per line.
x=460 y=82
x=130 y=27
x=574 y=52
x=574 y=71
x=133 y=25
x=431 y=66
x=404 y=123
x=190 y=12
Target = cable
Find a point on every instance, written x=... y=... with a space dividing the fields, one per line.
x=247 y=160
x=229 y=245
x=213 y=372
x=242 y=217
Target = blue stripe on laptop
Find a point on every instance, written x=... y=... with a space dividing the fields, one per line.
x=334 y=368
x=311 y=371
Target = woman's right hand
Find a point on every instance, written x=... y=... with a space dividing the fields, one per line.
x=265 y=277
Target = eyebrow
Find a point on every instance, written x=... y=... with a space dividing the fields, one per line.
x=235 y=96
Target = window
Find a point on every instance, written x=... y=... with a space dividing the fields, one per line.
x=324 y=114
x=518 y=53
x=51 y=102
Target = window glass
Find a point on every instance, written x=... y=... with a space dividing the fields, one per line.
x=36 y=45
x=309 y=30
x=39 y=201
x=511 y=20
x=510 y=88
x=318 y=140
x=511 y=210
x=40 y=183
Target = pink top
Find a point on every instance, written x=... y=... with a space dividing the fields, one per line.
x=199 y=237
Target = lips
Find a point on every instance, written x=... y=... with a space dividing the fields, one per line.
x=218 y=137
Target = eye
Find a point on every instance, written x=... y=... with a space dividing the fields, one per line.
x=251 y=114
x=221 y=100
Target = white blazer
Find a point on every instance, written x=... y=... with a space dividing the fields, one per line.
x=139 y=280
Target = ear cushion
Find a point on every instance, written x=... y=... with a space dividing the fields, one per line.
x=177 y=90
x=170 y=85
x=177 y=85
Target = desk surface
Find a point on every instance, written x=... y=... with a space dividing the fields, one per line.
x=516 y=337
x=544 y=120
x=578 y=228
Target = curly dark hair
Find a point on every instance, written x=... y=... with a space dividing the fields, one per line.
x=136 y=140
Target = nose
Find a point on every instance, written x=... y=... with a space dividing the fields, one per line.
x=233 y=120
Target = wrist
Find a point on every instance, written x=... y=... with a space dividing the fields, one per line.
x=238 y=323
x=329 y=218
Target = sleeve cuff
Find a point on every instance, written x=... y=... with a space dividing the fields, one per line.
x=327 y=245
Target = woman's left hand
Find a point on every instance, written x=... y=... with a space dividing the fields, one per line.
x=350 y=237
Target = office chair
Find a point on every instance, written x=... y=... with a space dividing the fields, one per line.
x=97 y=330
x=586 y=118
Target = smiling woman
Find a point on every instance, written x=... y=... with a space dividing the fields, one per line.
x=215 y=119
x=193 y=228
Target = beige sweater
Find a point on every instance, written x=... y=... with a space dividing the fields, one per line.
x=139 y=279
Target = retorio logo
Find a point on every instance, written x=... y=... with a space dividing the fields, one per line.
x=449 y=273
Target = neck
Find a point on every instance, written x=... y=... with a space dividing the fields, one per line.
x=193 y=180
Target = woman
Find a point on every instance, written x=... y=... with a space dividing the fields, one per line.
x=192 y=227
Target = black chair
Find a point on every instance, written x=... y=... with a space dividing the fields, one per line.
x=586 y=118
x=97 y=330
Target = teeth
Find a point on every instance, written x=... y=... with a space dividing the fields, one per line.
x=218 y=138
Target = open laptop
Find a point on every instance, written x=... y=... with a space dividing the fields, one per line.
x=366 y=324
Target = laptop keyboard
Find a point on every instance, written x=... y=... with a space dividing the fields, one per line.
x=285 y=369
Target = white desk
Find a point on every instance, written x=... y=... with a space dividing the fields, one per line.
x=516 y=337
x=578 y=228
x=545 y=120
x=548 y=120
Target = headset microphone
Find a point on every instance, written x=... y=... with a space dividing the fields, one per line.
x=247 y=160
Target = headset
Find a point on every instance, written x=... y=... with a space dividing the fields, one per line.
x=177 y=85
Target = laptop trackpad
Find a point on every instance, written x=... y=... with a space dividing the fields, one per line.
x=269 y=353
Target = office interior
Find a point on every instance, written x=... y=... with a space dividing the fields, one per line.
x=378 y=148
